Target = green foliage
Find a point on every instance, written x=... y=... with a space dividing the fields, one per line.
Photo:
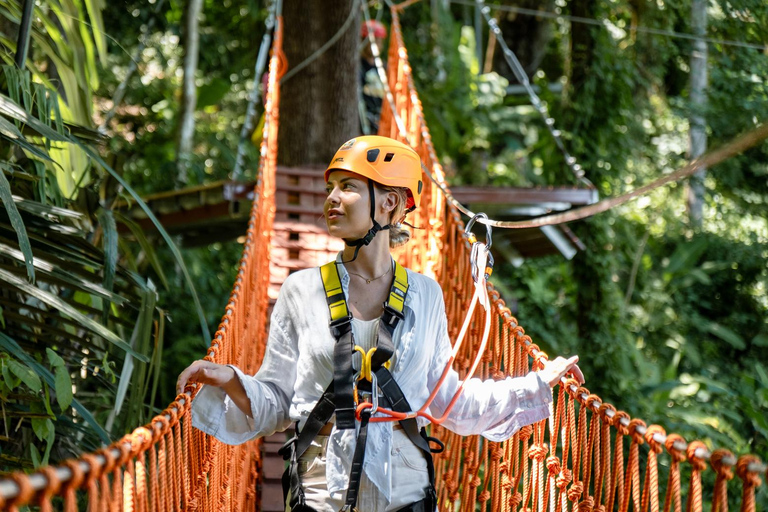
x=680 y=340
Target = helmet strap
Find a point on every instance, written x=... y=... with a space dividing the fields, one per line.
x=368 y=238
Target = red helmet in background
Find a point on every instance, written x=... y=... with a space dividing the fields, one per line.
x=375 y=27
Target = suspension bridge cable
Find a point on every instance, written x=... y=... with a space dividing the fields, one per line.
x=275 y=10
x=602 y=23
x=522 y=77
x=733 y=148
x=382 y=73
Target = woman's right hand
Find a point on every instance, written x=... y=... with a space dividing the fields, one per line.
x=206 y=372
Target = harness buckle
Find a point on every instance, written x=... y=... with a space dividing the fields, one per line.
x=341 y=326
x=374 y=394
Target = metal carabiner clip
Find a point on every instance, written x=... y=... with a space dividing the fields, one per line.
x=471 y=236
x=487 y=262
x=374 y=394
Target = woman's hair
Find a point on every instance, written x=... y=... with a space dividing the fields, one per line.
x=398 y=235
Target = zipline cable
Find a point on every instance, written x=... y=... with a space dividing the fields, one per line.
x=522 y=77
x=261 y=61
x=733 y=148
x=382 y=73
x=602 y=23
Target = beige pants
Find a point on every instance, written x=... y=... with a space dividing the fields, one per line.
x=409 y=478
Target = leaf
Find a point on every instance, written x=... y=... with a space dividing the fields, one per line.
x=41 y=427
x=26 y=375
x=107 y=222
x=54 y=358
x=70 y=311
x=146 y=246
x=213 y=92
x=686 y=255
x=63 y=387
x=12 y=134
x=10 y=109
x=725 y=334
x=18 y=225
x=168 y=240
x=48 y=445
x=35 y=456
x=761 y=340
x=9 y=344
x=10 y=380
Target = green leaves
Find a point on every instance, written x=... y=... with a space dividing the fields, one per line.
x=16 y=222
x=63 y=383
x=725 y=334
x=24 y=374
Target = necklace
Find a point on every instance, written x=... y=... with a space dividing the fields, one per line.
x=367 y=280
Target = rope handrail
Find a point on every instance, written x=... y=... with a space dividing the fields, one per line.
x=572 y=461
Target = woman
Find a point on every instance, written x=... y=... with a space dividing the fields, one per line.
x=372 y=183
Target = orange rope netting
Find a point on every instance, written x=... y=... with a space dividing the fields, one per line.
x=575 y=460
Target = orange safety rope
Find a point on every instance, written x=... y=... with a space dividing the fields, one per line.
x=168 y=466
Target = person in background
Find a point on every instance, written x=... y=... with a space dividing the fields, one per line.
x=371 y=90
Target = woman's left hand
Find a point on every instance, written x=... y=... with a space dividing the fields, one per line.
x=558 y=368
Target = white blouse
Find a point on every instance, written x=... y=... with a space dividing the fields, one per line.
x=298 y=366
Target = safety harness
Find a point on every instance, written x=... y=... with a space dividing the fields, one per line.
x=343 y=394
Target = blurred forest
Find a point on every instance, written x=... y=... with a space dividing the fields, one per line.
x=668 y=314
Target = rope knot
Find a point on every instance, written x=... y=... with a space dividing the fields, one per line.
x=697 y=463
x=650 y=434
x=617 y=422
x=587 y=505
x=97 y=469
x=78 y=475
x=669 y=444
x=538 y=452
x=637 y=437
x=526 y=432
x=563 y=479
x=580 y=392
x=750 y=478
x=607 y=418
x=484 y=496
x=719 y=465
x=538 y=360
x=26 y=492
x=574 y=493
x=591 y=399
x=553 y=465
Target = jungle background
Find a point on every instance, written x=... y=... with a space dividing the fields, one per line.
x=667 y=311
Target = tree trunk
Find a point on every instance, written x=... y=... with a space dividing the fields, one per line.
x=318 y=105
x=698 y=133
x=189 y=89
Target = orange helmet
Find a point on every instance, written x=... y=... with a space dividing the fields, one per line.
x=384 y=161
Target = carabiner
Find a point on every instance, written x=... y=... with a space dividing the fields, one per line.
x=374 y=394
x=471 y=236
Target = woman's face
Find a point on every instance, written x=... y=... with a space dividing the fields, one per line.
x=347 y=207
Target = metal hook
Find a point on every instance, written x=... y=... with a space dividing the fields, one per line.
x=488 y=229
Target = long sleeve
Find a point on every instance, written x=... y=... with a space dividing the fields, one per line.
x=270 y=391
x=495 y=409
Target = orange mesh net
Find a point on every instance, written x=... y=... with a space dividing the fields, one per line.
x=585 y=457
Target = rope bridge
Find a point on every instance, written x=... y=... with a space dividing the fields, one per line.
x=585 y=457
